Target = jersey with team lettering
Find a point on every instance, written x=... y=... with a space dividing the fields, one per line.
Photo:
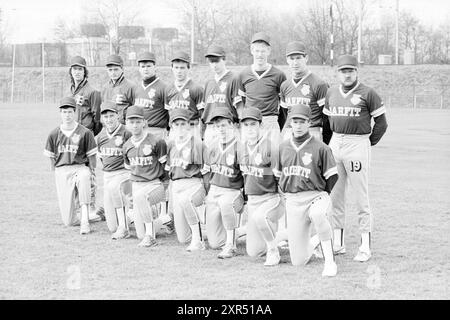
x=257 y=163
x=110 y=147
x=185 y=159
x=310 y=90
x=151 y=98
x=223 y=163
x=306 y=167
x=260 y=91
x=145 y=158
x=68 y=148
x=123 y=87
x=88 y=114
x=189 y=96
x=352 y=112
x=219 y=92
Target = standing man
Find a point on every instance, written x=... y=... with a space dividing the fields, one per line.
x=72 y=150
x=88 y=113
x=118 y=89
x=307 y=173
x=150 y=96
x=219 y=92
x=304 y=87
x=184 y=93
x=259 y=84
x=350 y=107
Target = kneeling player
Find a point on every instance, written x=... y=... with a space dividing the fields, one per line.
x=224 y=202
x=110 y=142
x=307 y=173
x=71 y=148
x=265 y=206
x=145 y=155
x=184 y=163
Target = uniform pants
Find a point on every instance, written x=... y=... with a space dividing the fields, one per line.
x=264 y=211
x=189 y=194
x=302 y=208
x=70 y=179
x=223 y=208
x=352 y=154
x=146 y=199
x=114 y=195
x=93 y=182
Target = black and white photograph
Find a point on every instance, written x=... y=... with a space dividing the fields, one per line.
x=247 y=151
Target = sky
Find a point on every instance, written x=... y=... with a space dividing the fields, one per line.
x=33 y=21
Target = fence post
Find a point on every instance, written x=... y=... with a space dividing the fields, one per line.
x=414 y=96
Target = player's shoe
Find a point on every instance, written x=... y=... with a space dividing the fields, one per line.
x=338 y=250
x=272 y=257
x=329 y=269
x=283 y=245
x=196 y=246
x=101 y=213
x=362 y=256
x=93 y=216
x=121 y=233
x=228 y=251
x=168 y=227
x=148 y=241
x=85 y=228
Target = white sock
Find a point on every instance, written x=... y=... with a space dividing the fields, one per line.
x=121 y=218
x=230 y=237
x=365 y=242
x=195 y=232
x=327 y=250
x=313 y=243
x=338 y=237
x=272 y=244
x=84 y=213
x=149 y=229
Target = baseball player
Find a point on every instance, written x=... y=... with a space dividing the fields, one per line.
x=115 y=177
x=184 y=93
x=145 y=155
x=72 y=151
x=150 y=96
x=304 y=87
x=265 y=205
x=307 y=173
x=88 y=114
x=350 y=107
x=225 y=201
x=219 y=91
x=118 y=89
x=184 y=164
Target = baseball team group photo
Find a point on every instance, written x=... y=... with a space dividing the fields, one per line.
x=197 y=169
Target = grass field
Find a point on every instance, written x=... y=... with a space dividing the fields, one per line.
x=409 y=195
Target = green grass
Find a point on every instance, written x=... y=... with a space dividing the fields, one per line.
x=409 y=195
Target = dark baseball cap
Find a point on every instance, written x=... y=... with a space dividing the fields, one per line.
x=295 y=47
x=181 y=55
x=179 y=113
x=221 y=112
x=135 y=112
x=108 y=106
x=261 y=36
x=78 y=61
x=347 y=61
x=67 y=102
x=215 y=51
x=300 y=111
x=251 y=113
x=114 y=60
x=146 y=56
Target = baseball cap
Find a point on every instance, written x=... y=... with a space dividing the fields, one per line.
x=108 y=106
x=347 y=61
x=135 y=112
x=181 y=55
x=295 y=47
x=146 y=56
x=78 y=61
x=251 y=113
x=261 y=36
x=67 y=102
x=300 y=111
x=179 y=114
x=221 y=112
x=115 y=60
x=215 y=51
